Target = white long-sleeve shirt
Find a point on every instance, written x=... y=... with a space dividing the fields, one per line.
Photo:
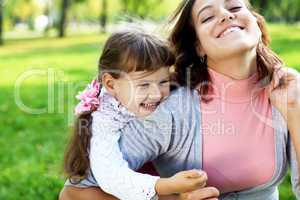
x=108 y=166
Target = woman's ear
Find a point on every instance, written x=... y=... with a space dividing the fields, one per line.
x=109 y=83
x=199 y=49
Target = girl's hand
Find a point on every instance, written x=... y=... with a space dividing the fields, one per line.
x=206 y=193
x=284 y=92
x=181 y=182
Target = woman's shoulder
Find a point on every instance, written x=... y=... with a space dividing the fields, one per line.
x=182 y=99
x=181 y=102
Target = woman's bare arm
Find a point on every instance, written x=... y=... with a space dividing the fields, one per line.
x=74 y=193
x=285 y=96
x=93 y=193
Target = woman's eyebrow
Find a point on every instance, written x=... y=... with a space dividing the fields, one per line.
x=204 y=8
x=207 y=7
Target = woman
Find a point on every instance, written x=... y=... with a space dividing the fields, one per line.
x=247 y=102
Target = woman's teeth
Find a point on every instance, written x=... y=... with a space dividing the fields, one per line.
x=229 y=30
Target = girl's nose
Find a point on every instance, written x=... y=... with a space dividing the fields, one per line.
x=155 y=92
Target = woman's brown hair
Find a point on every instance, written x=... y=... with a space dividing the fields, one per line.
x=124 y=51
x=191 y=70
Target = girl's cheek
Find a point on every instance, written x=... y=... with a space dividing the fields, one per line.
x=140 y=97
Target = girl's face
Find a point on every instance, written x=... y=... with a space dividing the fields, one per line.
x=224 y=28
x=142 y=92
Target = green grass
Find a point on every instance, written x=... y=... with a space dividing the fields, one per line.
x=286 y=42
x=32 y=145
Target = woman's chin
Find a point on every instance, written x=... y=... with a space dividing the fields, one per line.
x=234 y=48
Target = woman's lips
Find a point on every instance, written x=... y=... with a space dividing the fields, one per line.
x=229 y=29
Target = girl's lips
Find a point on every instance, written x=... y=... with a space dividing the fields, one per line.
x=150 y=106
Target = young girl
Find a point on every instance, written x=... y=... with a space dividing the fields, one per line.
x=134 y=74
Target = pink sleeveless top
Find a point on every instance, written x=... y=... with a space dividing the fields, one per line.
x=238 y=138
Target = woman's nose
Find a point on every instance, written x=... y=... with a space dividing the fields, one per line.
x=225 y=15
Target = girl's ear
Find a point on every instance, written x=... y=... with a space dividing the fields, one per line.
x=109 y=83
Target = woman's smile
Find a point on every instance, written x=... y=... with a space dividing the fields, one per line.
x=230 y=29
x=224 y=28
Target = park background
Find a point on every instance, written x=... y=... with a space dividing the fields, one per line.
x=49 y=51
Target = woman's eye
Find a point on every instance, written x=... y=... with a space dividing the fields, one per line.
x=235 y=9
x=207 y=19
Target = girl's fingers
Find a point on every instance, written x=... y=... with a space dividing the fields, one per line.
x=203 y=184
x=204 y=193
x=199 y=182
x=194 y=173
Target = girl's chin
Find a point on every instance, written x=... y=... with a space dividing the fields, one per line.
x=144 y=112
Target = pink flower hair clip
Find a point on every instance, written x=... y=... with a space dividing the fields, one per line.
x=89 y=100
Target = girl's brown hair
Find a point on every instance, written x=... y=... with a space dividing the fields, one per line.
x=191 y=70
x=124 y=51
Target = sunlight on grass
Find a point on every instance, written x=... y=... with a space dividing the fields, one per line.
x=68 y=55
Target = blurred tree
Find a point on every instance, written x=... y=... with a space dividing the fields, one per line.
x=103 y=15
x=20 y=11
x=63 y=18
x=297 y=18
x=279 y=10
x=1 y=22
x=140 y=8
x=260 y=5
x=47 y=12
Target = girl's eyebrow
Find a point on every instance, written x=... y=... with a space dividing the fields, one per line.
x=143 y=81
x=151 y=81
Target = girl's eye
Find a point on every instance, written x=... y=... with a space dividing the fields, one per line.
x=164 y=82
x=207 y=19
x=145 y=85
x=235 y=9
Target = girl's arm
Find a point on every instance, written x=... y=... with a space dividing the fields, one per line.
x=111 y=170
x=114 y=176
x=108 y=166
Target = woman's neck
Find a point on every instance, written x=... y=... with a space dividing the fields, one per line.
x=237 y=67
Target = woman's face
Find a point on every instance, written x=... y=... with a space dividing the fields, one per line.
x=224 y=28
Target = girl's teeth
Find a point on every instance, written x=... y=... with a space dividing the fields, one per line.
x=150 y=106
